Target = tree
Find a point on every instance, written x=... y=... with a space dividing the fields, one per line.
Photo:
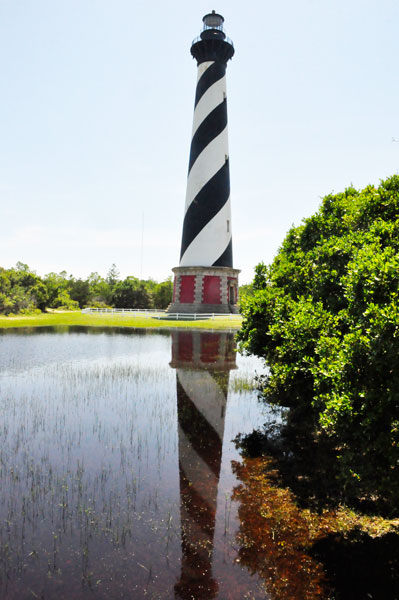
x=100 y=290
x=112 y=275
x=162 y=293
x=131 y=293
x=6 y=301
x=79 y=291
x=57 y=285
x=39 y=295
x=245 y=290
x=21 y=290
x=22 y=267
x=325 y=317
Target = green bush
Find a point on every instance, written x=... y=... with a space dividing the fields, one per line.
x=325 y=316
x=30 y=312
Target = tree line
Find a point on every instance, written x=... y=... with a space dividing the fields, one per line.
x=23 y=291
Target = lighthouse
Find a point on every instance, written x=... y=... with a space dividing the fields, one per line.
x=205 y=280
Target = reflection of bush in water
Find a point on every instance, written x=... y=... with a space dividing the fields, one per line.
x=302 y=554
x=316 y=466
x=274 y=534
x=294 y=511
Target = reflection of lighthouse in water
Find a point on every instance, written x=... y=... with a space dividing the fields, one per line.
x=202 y=362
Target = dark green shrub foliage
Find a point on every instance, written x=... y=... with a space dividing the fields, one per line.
x=325 y=316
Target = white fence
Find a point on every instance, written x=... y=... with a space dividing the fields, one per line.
x=151 y=313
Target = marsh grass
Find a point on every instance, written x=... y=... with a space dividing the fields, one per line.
x=242 y=384
x=89 y=474
x=109 y=320
x=87 y=456
x=245 y=380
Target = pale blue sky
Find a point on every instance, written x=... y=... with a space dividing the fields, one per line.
x=96 y=103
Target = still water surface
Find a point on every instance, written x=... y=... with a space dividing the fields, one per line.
x=115 y=464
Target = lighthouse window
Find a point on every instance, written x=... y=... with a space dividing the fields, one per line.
x=228 y=226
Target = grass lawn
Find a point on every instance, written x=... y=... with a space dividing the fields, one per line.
x=93 y=320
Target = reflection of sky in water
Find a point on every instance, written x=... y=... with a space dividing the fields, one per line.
x=44 y=347
x=90 y=459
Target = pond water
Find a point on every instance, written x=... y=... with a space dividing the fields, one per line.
x=116 y=455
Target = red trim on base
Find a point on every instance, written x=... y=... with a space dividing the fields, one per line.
x=211 y=292
x=204 y=290
x=187 y=283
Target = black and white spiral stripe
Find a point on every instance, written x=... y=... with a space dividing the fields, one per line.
x=201 y=404
x=206 y=239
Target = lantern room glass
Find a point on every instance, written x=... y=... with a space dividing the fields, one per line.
x=213 y=21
